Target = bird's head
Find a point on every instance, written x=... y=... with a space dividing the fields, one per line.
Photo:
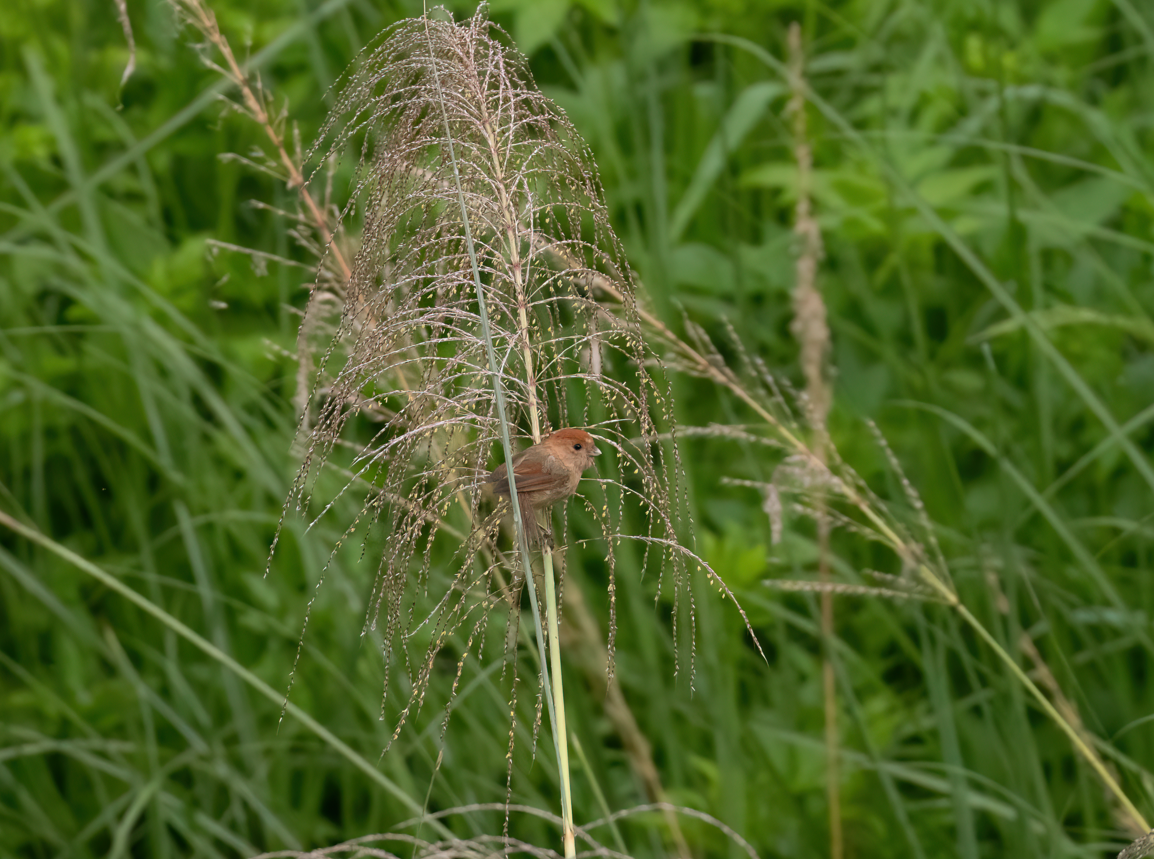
x=574 y=446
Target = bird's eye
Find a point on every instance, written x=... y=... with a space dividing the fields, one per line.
x=576 y=447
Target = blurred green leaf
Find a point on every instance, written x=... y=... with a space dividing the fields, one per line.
x=745 y=113
x=1065 y=315
x=535 y=22
x=952 y=187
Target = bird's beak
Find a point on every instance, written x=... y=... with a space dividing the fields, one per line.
x=595 y=451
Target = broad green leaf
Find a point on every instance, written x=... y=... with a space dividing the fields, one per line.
x=1065 y=22
x=747 y=110
x=666 y=26
x=954 y=186
x=606 y=11
x=535 y=22
x=703 y=266
x=1091 y=201
x=837 y=191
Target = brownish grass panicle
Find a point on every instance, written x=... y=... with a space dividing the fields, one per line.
x=402 y=408
x=311 y=222
x=811 y=329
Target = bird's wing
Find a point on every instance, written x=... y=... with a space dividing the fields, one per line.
x=531 y=476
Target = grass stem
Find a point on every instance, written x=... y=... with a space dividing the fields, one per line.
x=1091 y=756
x=554 y=692
x=205 y=646
x=560 y=732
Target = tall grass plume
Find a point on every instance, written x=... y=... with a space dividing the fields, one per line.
x=480 y=236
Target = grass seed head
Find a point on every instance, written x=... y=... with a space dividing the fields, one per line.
x=403 y=390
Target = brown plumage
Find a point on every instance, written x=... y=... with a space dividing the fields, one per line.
x=546 y=473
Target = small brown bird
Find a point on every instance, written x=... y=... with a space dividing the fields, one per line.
x=546 y=473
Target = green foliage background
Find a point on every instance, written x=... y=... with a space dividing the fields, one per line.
x=970 y=157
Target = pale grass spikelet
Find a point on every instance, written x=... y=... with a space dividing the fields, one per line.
x=810 y=326
x=1142 y=846
x=404 y=383
x=845 y=589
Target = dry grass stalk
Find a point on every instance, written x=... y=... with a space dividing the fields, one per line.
x=130 y=41
x=811 y=329
x=810 y=326
x=314 y=228
x=1063 y=704
x=256 y=104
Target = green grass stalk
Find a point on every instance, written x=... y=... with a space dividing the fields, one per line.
x=559 y=730
x=554 y=691
x=207 y=647
x=1079 y=742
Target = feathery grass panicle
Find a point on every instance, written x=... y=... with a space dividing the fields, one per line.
x=405 y=383
x=829 y=490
